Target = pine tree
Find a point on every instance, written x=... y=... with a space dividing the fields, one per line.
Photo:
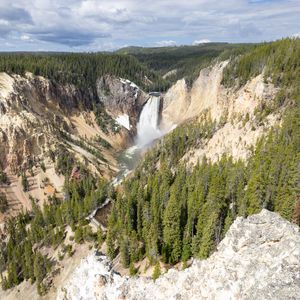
x=110 y=245
x=39 y=267
x=172 y=232
x=124 y=252
x=296 y=212
x=25 y=182
x=3 y=203
x=78 y=237
x=156 y=271
x=132 y=269
x=100 y=237
x=12 y=278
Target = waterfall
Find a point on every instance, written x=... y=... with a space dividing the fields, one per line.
x=147 y=127
x=147 y=131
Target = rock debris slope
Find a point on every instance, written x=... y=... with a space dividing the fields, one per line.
x=258 y=259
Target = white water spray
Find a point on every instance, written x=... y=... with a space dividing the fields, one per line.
x=147 y=127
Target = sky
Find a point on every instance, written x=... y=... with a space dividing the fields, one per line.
x=96 y=25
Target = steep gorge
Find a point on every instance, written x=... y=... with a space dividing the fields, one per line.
x=181 y=199
x=41 y=120
x=233 y=150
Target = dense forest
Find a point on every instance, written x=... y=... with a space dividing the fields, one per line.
x=174 y=213
x=280 y=63
x=81 y=69
x=144 y=66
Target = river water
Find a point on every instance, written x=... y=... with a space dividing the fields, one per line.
x=127 y=161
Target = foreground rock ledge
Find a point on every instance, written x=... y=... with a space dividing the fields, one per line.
x=258 y=259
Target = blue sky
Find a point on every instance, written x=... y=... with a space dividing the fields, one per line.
x=96 y=25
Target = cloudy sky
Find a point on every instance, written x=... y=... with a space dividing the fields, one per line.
x=96 y=25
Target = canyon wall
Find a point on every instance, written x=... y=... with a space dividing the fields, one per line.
x=235 y=109
x=39 y=117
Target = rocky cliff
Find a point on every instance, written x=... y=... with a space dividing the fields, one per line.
x=121 y=97
x=259 y=258
x=38 y=117
x=237 y=111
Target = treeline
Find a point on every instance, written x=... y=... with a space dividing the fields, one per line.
x=22 y=255
x=80 y=69
x=172 y=213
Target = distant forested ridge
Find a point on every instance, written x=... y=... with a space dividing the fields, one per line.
x=144 y=66
x=80 y=69
x=186 y=60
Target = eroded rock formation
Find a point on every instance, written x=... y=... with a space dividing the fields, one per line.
x=235 y=109
x=39 y=116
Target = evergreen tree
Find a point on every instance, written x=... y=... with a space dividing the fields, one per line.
x=78 y=235
x=100 y=237
x=3 y=203
x=156 y=271
x=296 y=213
x=25 y=182
x=39 y=267
x=132 y=269
x=110 y=245
x=172 y=232
x=124 y=251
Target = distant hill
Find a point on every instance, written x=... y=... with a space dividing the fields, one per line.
x=186 y=60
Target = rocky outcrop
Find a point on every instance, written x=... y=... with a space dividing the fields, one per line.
x=175 y=104
x=121 y=97
x=208 y=94
x=22 y=120
x=259 y=258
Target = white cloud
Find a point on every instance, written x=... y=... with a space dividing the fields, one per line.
x=203 y=41
x=25 y=37
x=80 y=25
x=165 y=43
x=4 y=22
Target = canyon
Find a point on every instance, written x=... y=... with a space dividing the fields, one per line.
x=38 y=118
x=107 y=129
x=35 y=115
